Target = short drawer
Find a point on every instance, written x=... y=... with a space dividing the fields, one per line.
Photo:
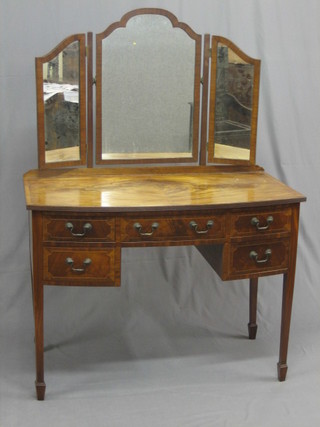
x=79 y=266
x=76 y=228
x=173 y=228
x=261 y=257
x=261 y=222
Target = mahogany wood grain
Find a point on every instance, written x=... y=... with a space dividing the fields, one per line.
x=114 y=200
x=145 y=190
x=287 y=298
x=242 y=223
x=253 y=297
x=209 y=206
x=37 y=294
x=173 y=228
x=242 y=264
x=100 y=271
x=55 y=228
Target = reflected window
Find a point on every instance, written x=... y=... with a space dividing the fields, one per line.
x=61 y=103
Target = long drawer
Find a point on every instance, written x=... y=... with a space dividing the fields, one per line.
x=172 y=228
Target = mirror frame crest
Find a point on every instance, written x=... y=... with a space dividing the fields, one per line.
x=194 y=157
x=39 y=61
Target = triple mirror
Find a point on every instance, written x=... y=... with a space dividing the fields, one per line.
x=148 y=98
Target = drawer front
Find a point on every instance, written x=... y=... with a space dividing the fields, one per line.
x=78 y=265
x=261 y=222
x=78 y=229
x=253 y=258
x=174 y=228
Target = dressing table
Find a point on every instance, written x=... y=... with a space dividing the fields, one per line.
x=170 y=161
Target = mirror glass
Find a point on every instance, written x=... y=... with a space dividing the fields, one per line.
x=234 y=82
x=147 y=91
x=61 y=105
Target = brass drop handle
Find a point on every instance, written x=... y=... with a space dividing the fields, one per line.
x=138 y=227
x=86 y=263
x=256 y=223
x=194 y=226
x=87 y=227
x=253 y=255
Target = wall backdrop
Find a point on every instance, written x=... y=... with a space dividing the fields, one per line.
x=169 y=347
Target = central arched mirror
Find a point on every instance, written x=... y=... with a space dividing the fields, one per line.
x=148 y=90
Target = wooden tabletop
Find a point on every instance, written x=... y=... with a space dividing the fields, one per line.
x=141 y=189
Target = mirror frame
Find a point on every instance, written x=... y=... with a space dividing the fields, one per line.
x=82 y=103
x=212 y=159
x=135 y=158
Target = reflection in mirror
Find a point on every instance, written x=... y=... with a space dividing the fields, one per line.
x=233 y=104
x=235 y=109
x=147 y=83
x=61 y=100
x=60 y=128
